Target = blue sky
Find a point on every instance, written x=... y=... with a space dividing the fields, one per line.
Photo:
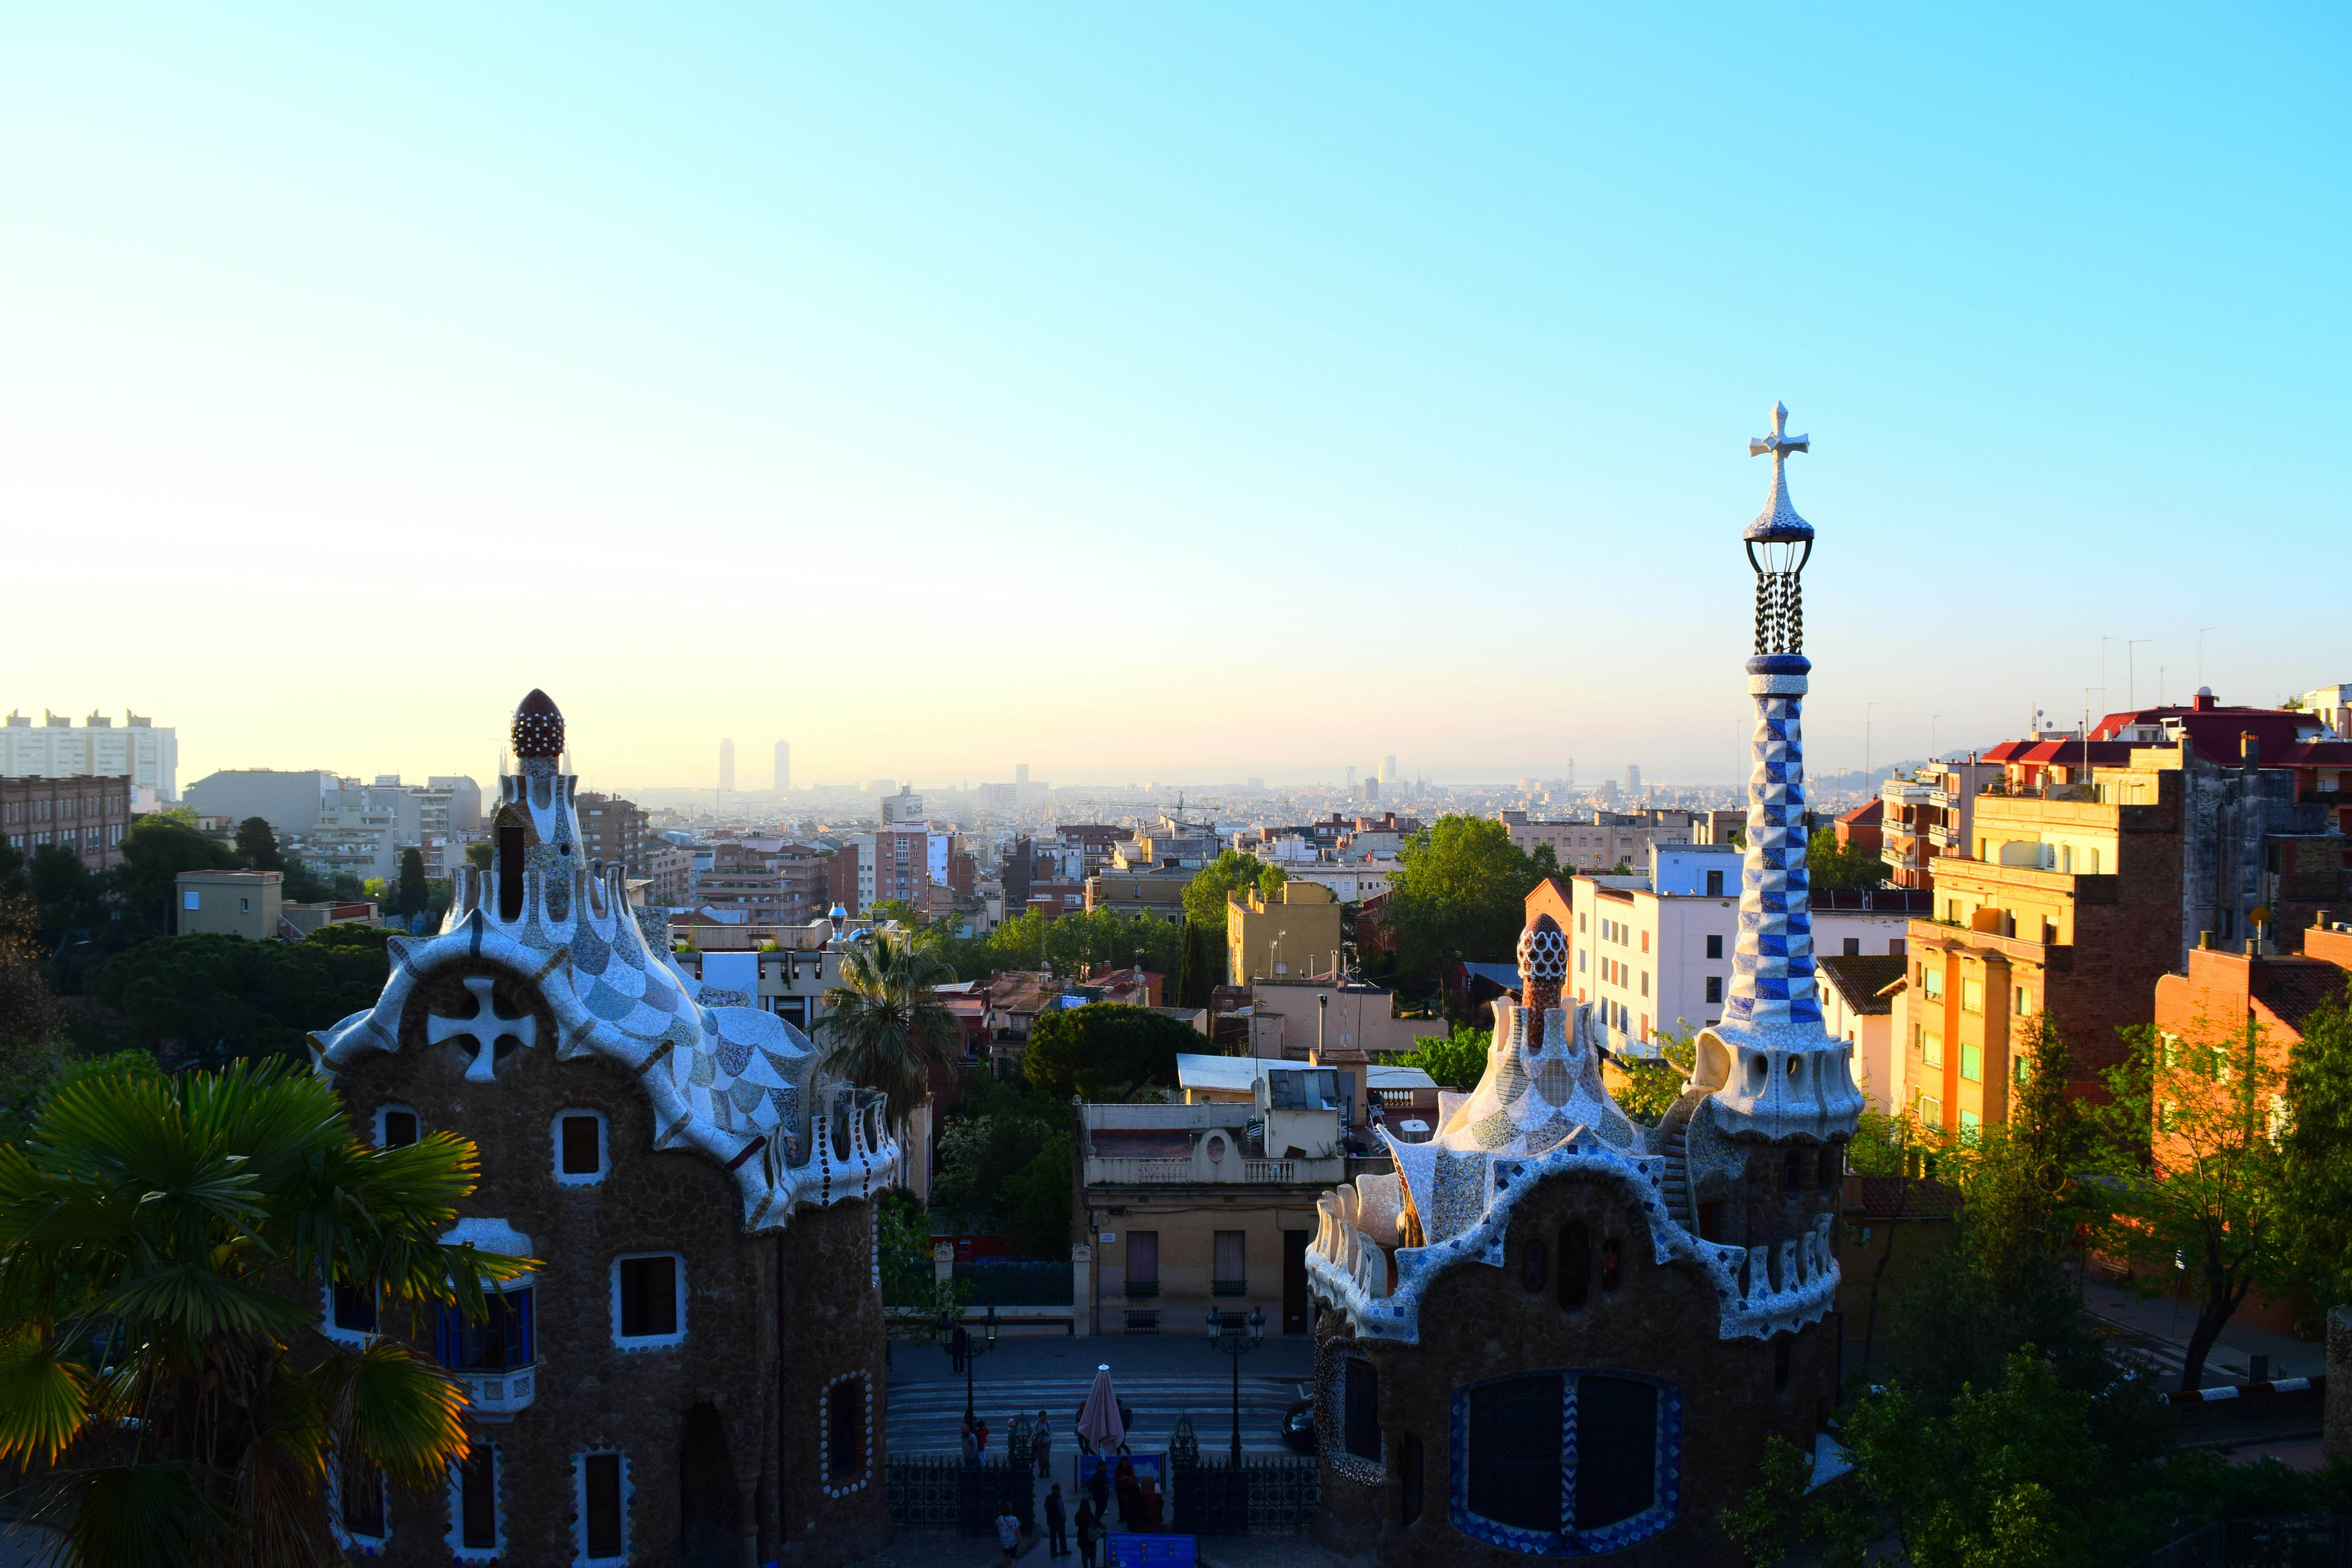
x=1157 y=394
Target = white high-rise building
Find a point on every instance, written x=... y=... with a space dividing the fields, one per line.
x=1633 y=778
x=1388 y=770
x=56 y=748
x=784 y=766
x=726 y=766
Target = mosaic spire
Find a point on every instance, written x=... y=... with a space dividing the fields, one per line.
x=1772 y=971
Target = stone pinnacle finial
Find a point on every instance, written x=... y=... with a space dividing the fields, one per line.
x=538 y=726
x=1543 y=965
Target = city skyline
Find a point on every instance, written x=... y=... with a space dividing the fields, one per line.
x=1376 y=323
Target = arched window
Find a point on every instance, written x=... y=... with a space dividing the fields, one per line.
x=1575 y=1264
x=1780 y=1363
x=1792 y=1171
x=1409 y=1482
x=848 y=1421
x=1832 y=1167
x=1360 y=1422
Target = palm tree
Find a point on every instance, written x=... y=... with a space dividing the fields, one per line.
x=884 y=1026
x=165 y=1246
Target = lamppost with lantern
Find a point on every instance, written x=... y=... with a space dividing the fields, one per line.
x=961 y=1346
x=1226 y=1332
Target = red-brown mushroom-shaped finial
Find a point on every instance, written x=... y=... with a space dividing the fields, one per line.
x=538 y=726
x=1543 y=963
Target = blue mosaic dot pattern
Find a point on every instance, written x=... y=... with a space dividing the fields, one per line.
x=1772 y=979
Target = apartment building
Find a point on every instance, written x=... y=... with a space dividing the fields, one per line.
x=88 y=815
x=140 y=750
x=1298 y=932
x=1655 y=951
x=1210 y=1205
x=1298 y=1017
x=1158 y=894
x=228 y=903
x=616 y=832
x=2087 y=881
x=894 y=863
x=1606 y=840
x=1928 y=815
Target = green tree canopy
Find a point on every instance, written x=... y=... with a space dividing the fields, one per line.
x=211 y=998
x=1004 y=1160
x=1105 y=1049
x=1457 y=1060
x=1461 y=892
x=1233 y=871
x=2315 y=1196
x=1828 y=866
x=257 y=842
x=410 y=895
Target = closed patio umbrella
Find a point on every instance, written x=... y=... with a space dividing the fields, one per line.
x=1099 y=1422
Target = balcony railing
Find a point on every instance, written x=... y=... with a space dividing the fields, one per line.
x=1228 y=1286
x=1119 y=1170
x=1142 y=1289
x=1143 y=1320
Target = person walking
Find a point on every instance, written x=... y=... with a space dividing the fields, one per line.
x=979 y=1439
x=1045 y=1446
x=1089 y=1531
x=1057 y=1539
x=971 y=1449
x=1008 y=1532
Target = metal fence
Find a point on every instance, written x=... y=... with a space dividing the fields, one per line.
x=1262 y=1496
x=940 y=1491
x=2310 y=1543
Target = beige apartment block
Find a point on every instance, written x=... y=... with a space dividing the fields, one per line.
x=1187 y=1212
x=228 y=903
x=1296 y=934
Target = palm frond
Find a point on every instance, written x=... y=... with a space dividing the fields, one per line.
x=43 y=1399
x=399 y=1409
x=158 y=1514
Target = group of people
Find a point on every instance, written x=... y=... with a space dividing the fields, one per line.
x=1041 y=1443
x=1089 y=1524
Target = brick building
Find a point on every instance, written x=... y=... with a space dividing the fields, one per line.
x=613 y=831
x=695 y=1372
x=88 y=815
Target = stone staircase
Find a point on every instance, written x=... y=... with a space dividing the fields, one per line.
x=1674 y=1144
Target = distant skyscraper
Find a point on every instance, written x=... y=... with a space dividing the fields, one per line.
x=1633 y=778
x=1352 y=776
x=784 y=766
x=1021 y=773
x=727 y=765
x=1388 y=770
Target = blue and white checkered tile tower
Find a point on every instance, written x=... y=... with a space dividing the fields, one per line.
x=1776 y=1069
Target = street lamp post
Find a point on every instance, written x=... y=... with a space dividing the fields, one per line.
x=962 y=1347
x=1226 y=1334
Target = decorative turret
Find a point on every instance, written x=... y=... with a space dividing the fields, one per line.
x=1775 y=1071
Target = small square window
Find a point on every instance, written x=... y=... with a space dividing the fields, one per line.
x=582 y=1140
x=395 y=1126
x=1714 y=945
x=1714 y=988
x=190 y=900
x=649 y=1299
x=1971 y=1063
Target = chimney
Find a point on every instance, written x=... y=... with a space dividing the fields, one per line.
x=2250 y=750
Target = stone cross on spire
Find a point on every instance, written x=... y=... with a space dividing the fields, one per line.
x=1778 y=519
